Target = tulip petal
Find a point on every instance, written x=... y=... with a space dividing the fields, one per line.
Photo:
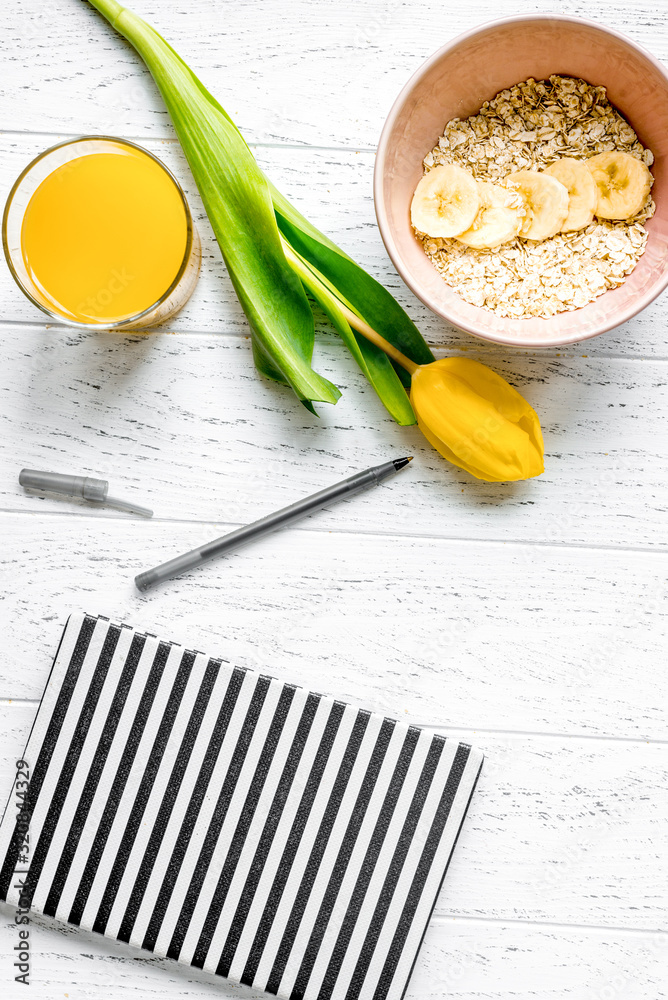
x=476 y=420
x=507 y=399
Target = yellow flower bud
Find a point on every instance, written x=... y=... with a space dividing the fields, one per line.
x=476 y=420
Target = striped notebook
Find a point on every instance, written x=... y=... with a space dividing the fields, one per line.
x=230 y=821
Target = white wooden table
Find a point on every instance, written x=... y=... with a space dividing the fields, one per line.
x=526 y=618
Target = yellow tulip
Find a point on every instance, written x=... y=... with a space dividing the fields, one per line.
x=471 y=415
x=476 y=420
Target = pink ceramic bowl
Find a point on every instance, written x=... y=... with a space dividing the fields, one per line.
x=454 y=83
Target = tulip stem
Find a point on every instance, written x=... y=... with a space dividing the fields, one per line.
x=306 y=274
x=375 y=338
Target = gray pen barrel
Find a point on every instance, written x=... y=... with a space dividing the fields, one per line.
x=279 y=519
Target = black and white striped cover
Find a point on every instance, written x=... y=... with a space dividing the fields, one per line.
x=233 y=822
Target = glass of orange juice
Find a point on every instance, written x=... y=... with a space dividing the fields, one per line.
x=98 y=234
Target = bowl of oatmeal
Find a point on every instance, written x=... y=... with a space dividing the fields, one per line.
x=519 y=110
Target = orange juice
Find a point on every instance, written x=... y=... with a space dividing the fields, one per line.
x=104 y=236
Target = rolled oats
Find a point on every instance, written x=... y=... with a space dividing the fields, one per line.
x=529 y=126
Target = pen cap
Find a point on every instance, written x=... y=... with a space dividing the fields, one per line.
x=71 y=486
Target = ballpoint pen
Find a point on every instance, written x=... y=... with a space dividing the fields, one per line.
x=279 y=519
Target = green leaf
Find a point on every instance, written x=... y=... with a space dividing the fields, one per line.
x=332 y=276
x=238 y=202
x=367 y=297
x=373 y=362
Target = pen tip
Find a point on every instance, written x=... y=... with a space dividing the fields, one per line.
x=401 y=463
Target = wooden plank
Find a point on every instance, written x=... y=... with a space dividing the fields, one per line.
x=463 y=960
x=187 y=424
x=559 y=830
x=459 y=633
x=333 y=188
x=316 y=75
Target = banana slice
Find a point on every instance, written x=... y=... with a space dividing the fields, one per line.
x=445 y=202
x=582 y=191
x=498 y=220
x=623 y=184
x=546 y=201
